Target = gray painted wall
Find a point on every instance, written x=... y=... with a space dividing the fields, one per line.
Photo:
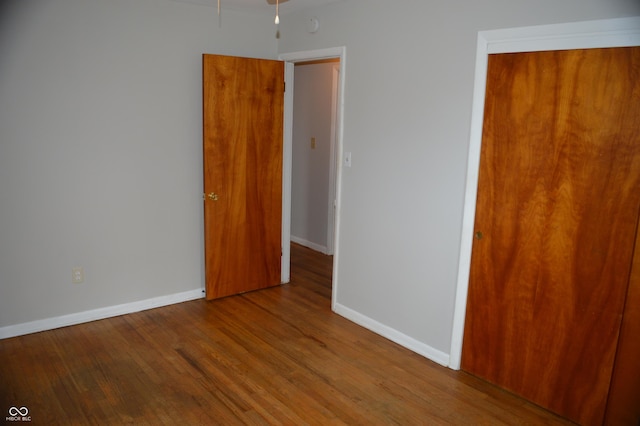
x=100 y=148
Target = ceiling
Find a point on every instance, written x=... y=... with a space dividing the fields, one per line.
x=262 y=5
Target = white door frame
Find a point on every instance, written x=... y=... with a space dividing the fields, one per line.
x=623 y=32
x=290 y=59
x=333 y=159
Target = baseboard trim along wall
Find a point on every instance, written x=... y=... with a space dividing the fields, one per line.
x=98 y=314
x=394 y=335
x=157 y=302
x=309 y=244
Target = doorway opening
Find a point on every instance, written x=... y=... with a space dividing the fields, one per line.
x=314 y=160
x=313 y=171
x=312 y=149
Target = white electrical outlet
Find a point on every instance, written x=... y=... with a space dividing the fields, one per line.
x=77 y=275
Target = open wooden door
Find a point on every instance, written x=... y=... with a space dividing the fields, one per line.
x=556 y=217
x=243 y=102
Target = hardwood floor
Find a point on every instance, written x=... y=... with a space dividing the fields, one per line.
x=275 y=356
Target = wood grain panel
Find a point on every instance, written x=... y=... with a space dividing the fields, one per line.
x=242 y=138
x=557 y=205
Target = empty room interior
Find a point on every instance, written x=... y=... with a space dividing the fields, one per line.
x=320 y=212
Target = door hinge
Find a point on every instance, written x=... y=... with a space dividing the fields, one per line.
x=284 y=86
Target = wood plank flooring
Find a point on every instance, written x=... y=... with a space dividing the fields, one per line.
x=275 y=356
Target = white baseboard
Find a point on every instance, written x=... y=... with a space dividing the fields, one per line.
x=393 y=335
x=309 y=244
x=98 y=314
x=156 y=302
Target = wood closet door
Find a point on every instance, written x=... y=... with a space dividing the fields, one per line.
x=242 y=149
x=556 y=216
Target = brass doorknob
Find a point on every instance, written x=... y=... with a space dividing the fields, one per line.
x=212 y=196
x=479 y=235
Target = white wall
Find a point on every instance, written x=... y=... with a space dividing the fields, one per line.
x=313 y=96
x=409 y=81
x=100 y=148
